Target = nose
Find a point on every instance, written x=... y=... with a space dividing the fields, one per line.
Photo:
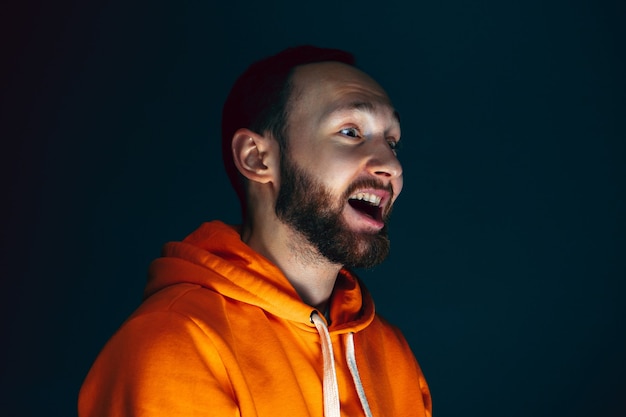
x=384 y=164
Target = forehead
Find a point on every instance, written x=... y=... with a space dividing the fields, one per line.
x=327 y=86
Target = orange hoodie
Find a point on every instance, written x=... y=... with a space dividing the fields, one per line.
x=222 y=332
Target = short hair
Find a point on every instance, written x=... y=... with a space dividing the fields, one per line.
x=259 y=101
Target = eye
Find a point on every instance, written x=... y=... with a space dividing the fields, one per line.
x=352 y=132
x=394 y=145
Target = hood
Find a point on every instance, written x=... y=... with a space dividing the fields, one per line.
x=215 y=257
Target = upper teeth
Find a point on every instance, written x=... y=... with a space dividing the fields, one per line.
x=370 y=198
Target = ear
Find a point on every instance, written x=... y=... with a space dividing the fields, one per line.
x=255 y=155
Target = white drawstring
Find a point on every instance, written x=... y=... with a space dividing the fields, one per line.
x=330 y=387
x=351 y=358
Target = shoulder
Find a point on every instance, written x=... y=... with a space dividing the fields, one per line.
x=185 y=313
x=387 y=340
x=165 y=357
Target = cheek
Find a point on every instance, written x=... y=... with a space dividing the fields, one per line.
x=336 y=171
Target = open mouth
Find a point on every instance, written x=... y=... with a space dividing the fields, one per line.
x=367 y=204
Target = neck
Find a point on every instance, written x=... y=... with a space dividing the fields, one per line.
x=312 y=276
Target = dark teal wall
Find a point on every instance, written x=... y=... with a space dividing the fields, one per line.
x=508 y=257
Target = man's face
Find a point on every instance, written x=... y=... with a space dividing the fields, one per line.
x=340 y=175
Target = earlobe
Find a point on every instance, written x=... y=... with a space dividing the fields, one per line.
x=252 y=154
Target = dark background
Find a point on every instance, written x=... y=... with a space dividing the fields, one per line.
x=508 y=257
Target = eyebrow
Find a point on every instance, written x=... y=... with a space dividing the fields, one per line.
x=357 y=105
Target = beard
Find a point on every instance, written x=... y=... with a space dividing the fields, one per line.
x=310 y=208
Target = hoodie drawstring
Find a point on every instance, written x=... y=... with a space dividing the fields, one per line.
x=330 y=387
x=351 y=359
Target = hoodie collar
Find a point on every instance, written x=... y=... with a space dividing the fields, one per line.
x=215 y=257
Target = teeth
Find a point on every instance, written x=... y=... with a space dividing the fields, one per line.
x=370 y=198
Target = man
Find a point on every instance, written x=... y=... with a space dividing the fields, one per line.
x=265 y=319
